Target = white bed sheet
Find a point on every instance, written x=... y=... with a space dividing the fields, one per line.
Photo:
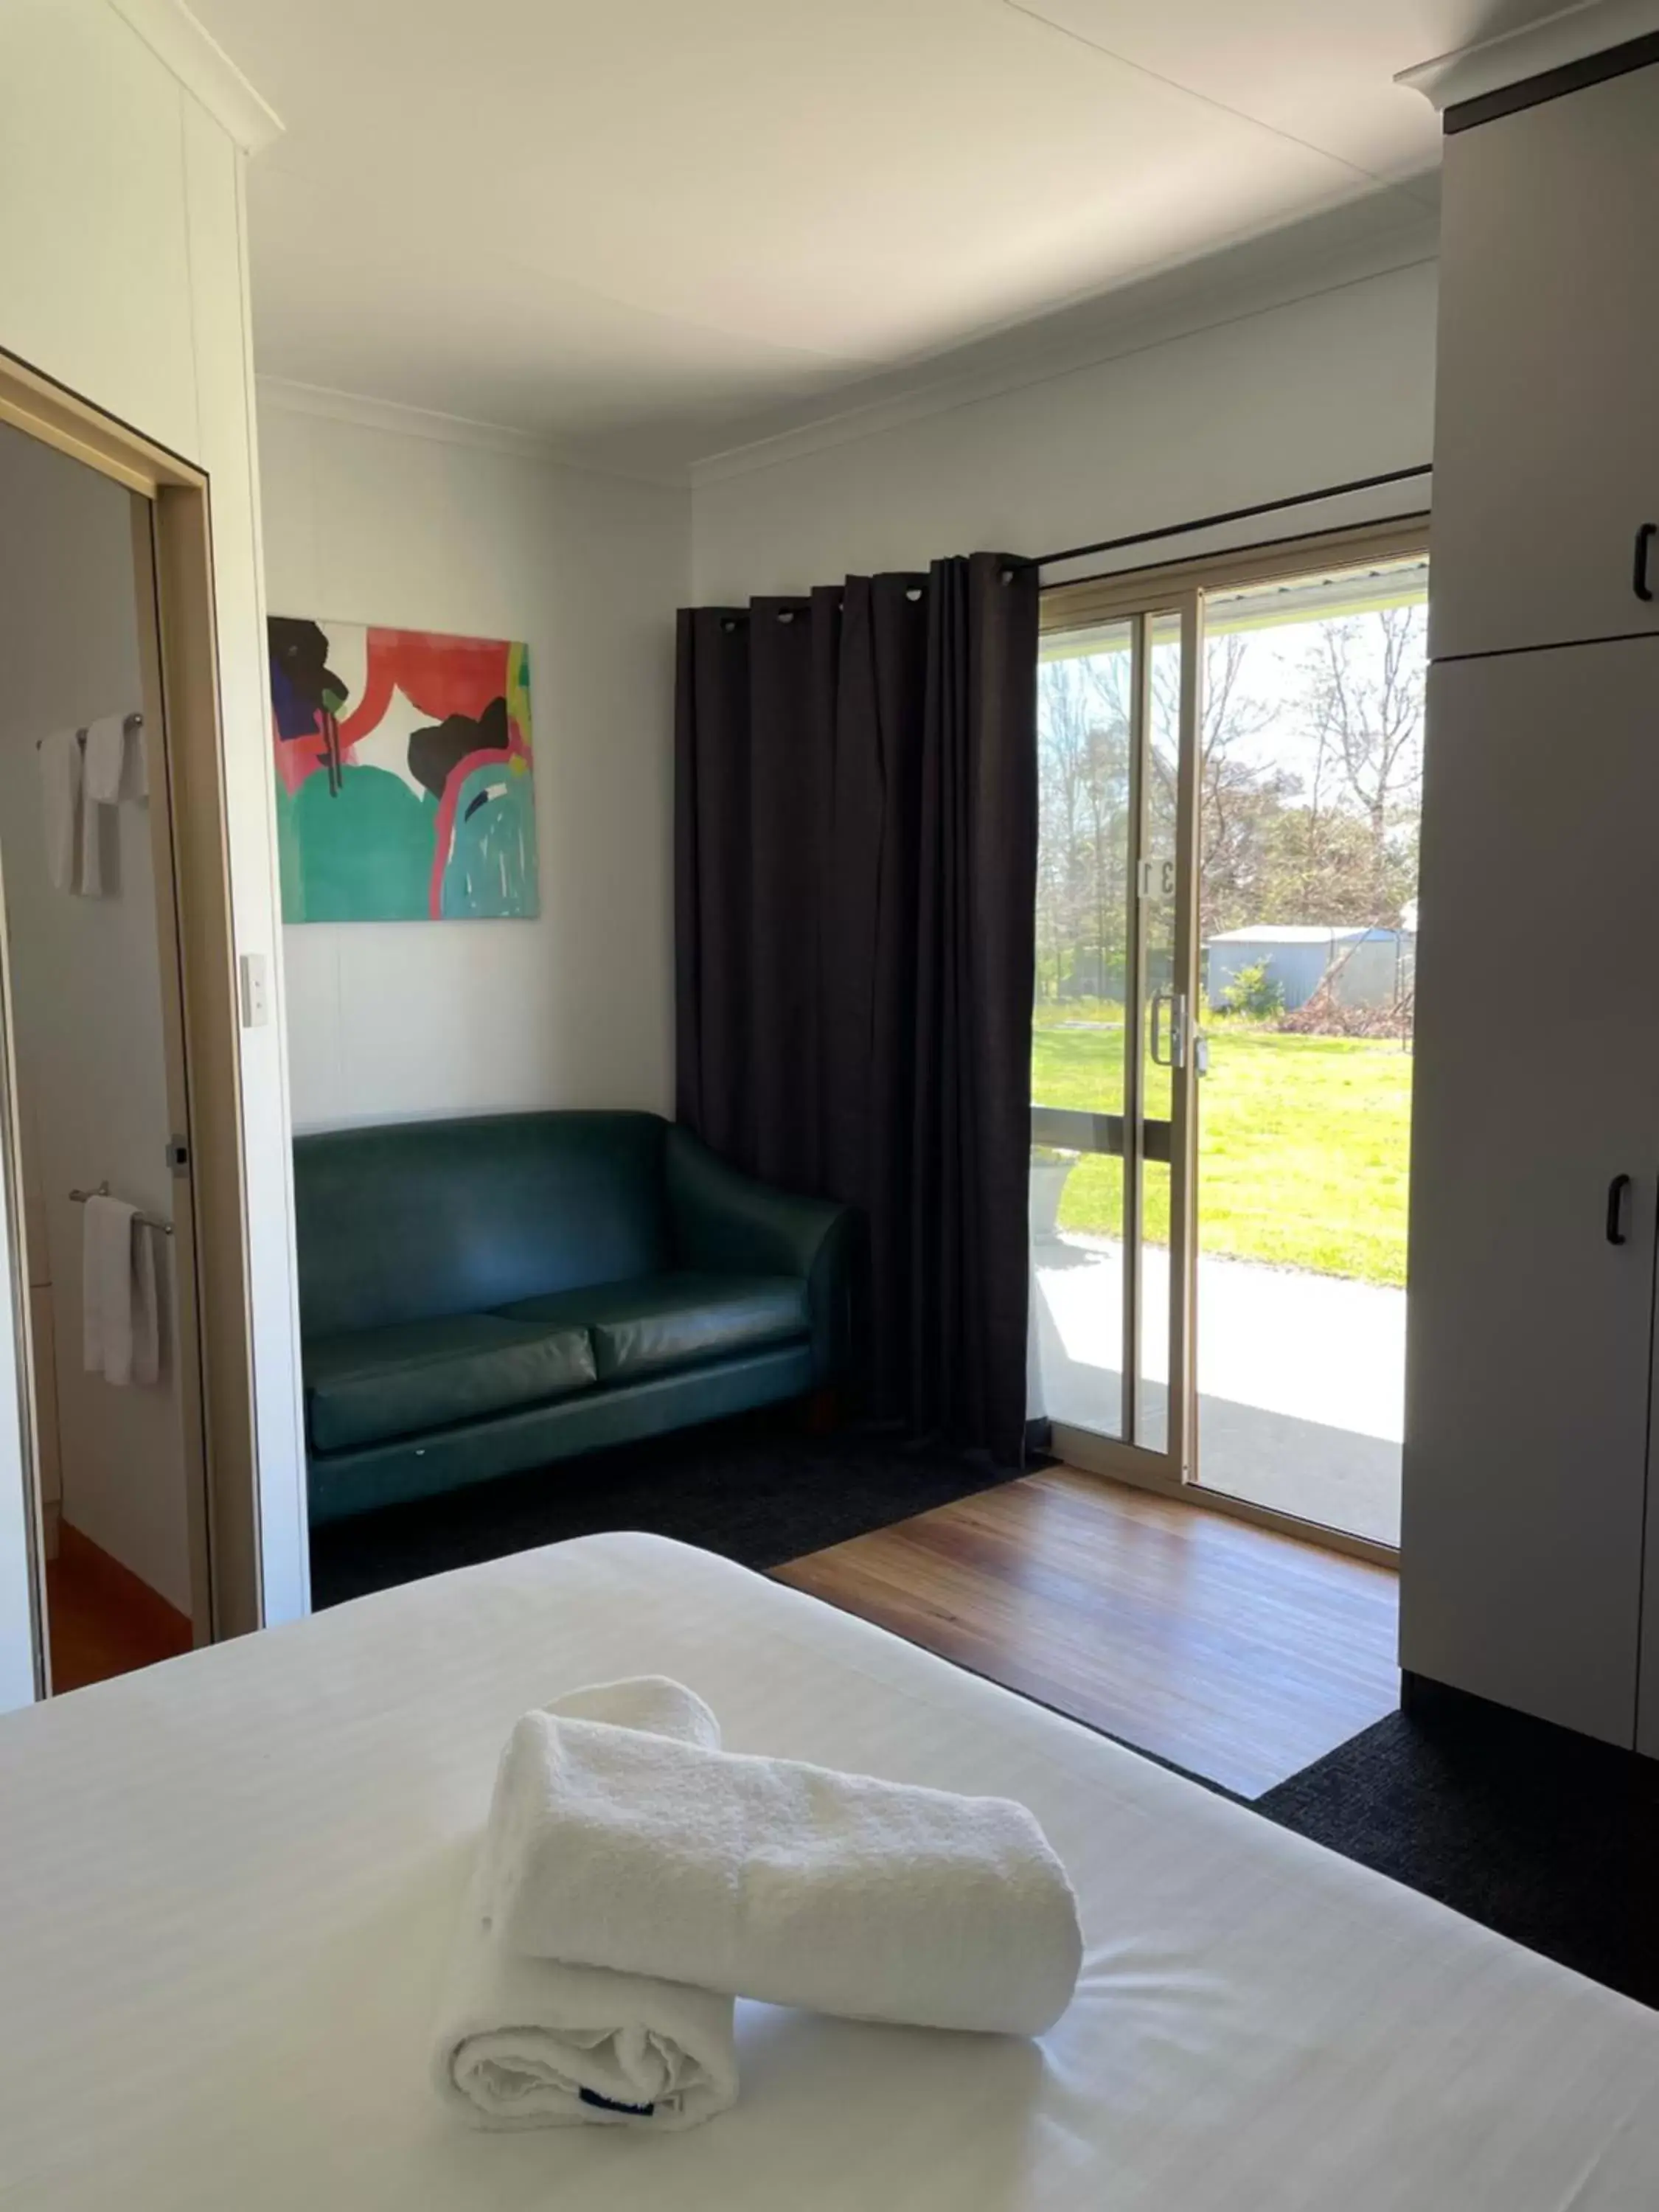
x=226 y=1886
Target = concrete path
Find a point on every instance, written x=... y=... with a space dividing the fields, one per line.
x=1301 y=1378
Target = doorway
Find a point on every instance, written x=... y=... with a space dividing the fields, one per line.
x=119 y=1480
x=128 y=1499
x=101 y=1107
x=1221 y=1082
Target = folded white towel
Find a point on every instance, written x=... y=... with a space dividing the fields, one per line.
x=650 y=1704
x=528 y=2043
x=775 y=1879
x=60 y=804
x=115 y=769
x=89 y=880
x=120 y=1313
x=104 y=777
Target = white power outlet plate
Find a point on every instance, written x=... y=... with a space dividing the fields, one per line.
x=256 y=1000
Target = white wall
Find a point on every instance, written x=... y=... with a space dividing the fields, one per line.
x=391 y=525
x=86 y=1015
x=1284 y=399
x=123 y=275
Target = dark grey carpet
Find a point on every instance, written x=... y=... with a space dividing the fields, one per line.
x=1549 y=1838
x=758 y=1490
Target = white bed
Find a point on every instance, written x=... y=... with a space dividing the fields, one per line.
x=227 y=1885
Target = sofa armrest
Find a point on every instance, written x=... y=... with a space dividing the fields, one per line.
x=722 y=1218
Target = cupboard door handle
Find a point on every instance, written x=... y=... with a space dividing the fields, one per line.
x=1639 y=581
x=1616 y=1190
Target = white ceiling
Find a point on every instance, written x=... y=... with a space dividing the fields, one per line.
x=606 y=220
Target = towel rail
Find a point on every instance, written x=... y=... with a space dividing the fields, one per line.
x=128 y=722
x=144 y=1220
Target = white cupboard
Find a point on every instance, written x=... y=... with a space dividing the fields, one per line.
x=1546 y=430
x=1530 y=1554
x=1534 y=1183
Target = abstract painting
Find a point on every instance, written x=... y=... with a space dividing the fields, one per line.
x=405 y=790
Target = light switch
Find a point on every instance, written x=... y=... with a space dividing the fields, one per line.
x=256 y=1009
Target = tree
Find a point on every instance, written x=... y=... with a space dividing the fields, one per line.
x=1363 y=702
x=1239 y=798
x=1319 y=827
x=1317 y=868
x=1084 y=793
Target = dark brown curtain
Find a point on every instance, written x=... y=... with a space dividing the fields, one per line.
x=856 y=827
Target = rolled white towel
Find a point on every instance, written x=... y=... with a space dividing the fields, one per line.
x=532 y=2042
x=528 y=2043
x=775 y=1879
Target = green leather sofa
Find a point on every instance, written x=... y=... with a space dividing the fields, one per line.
x=481 y=1296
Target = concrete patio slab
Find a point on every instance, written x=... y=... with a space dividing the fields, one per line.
x=1301 y=1376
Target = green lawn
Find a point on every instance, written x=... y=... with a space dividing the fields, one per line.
x=1303 y=1144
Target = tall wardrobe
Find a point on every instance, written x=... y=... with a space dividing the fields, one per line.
x=1530 y=1564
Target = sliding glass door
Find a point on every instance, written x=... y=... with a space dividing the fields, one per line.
x=1221 y=1067
x=1114 y=1051
x=1310 y=775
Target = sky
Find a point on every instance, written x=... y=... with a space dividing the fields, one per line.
x=1279 y=627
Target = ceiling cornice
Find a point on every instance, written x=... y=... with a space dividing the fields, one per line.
x=204 y=69
x=392 y=416
x=1252 y=279
x=1493 y=64
x=1356 y=241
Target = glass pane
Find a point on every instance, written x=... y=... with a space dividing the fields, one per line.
x=1159 y=927
x=1310 y=798
x=1084 y=719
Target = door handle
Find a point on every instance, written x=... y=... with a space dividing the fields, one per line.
x=1638 y=581
x=1176 y=1002
x=1616 y=1190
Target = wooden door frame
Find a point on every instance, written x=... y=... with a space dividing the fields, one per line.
x=173 y=576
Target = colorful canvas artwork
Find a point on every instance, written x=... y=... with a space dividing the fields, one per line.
x=405 y=790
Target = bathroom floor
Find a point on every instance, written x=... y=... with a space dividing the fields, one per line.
x=102 y=1619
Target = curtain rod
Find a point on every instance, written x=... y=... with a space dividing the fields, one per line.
x=1233 y=514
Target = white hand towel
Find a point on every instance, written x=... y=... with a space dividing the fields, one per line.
x=119 y=1302
x=89 y=881
x=60 y=801
x=779 y=1880
x=105 y=759
x=145 y=1308
x=529 y=2042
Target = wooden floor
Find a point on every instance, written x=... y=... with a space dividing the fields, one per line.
x=1234 y=1652
x=102 y=1620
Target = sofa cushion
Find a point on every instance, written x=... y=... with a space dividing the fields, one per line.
x=367 y=1385
x=678 y=1319
x=424 y=1218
